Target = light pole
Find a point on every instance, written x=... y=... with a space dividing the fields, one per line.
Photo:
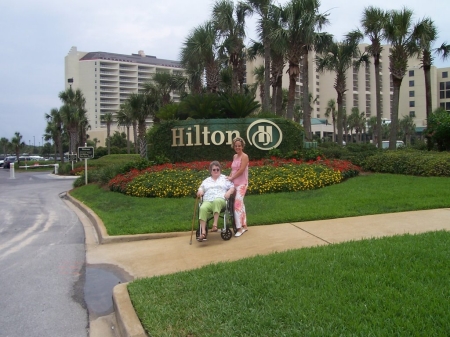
x=34 y=144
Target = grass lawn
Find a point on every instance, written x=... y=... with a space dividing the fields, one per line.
x=396 y=286
x=362 y=195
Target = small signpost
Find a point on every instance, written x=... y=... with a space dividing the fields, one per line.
x=86 y=152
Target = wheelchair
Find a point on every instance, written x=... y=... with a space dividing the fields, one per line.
x=227 y=214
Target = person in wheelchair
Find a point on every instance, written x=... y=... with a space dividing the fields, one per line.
x=214 y=190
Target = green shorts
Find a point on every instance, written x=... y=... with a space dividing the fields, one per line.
x=211 y=207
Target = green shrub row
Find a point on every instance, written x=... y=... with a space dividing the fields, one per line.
x=410 y=162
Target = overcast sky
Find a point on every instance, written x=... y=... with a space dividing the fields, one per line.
x=37 y=35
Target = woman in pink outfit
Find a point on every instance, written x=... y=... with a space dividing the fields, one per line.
x=239 y=177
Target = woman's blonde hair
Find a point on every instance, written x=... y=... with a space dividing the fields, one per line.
x=237 y=139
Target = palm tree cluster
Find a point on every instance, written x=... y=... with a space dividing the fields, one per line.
x=214 y=53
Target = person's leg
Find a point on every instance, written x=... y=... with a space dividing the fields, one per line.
x=217 y=206
x=205 y=209
x=240 y=216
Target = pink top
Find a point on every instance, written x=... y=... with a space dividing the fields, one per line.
x=243 y=178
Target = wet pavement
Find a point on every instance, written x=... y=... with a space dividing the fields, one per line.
x=98 y=287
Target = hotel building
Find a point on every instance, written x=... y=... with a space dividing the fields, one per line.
x=108 y=79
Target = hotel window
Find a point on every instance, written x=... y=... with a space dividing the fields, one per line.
x=444 y=74
x=444 y=90
x=412 y=104
x=411 y=93
x=411 y=73
x=411 y=83
x=412 y=114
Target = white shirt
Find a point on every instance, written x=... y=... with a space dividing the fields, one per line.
x=215 y=188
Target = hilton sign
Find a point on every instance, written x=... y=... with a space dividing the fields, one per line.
x=262 y=133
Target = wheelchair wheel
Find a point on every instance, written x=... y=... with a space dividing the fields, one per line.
x=227 y=234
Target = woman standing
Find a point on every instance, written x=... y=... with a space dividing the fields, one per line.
x=239 y=177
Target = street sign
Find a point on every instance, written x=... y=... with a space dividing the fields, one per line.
x=72 y=157
x=86 y=152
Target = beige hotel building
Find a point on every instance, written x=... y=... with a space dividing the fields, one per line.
x=361 y=91
x=107 y=79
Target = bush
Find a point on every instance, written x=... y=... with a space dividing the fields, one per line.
x=438 y=129
x=410 y=162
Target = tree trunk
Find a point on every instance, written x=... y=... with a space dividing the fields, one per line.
x=306 y=103
x=128 y=139
x=266 y=102
x=426 y=71
x=397 y=82
x=378 y=98
x=339 y=117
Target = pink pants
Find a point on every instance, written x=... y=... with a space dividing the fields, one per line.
x=240 y=217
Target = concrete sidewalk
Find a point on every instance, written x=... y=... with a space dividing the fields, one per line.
x=153 y=255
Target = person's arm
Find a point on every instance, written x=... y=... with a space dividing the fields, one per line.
x=201 y=190
x=244 y=164
x=229 y=192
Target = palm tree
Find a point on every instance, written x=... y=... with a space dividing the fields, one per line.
x=258 y=73
x=331 y=110
x=108 y=118
x=55 y=130
x=229 y=21
x=4 y=143
x=372 y=127
x=426 y=33
x=73 y=114
x=125 y=118
x=338 y=57
x=143 y=106
x=400 y=34
x=300 y=19
x=373 y=21
x=17 y=144
x=200 y=48
x=408 y=127
x=262 y=8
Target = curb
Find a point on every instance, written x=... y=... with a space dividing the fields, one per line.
x=104 y=238
x=127 y=320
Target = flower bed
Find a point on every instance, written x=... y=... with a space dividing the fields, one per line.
x=266 y=176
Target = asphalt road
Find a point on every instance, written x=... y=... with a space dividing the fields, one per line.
x=42 y=258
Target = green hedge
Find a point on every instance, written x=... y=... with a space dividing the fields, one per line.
x=410 y=162
x=160 y=141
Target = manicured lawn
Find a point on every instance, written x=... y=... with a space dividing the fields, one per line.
x=362 y=195
x=396 y=286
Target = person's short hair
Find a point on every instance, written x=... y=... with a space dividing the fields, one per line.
x=237 y=139
x=214 y=163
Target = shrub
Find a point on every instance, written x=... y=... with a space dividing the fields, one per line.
x=410 y=162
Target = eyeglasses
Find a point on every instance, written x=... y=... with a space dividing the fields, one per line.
x=216 y=170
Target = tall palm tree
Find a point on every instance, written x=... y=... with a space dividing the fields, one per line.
x=258 y=73
x=300 y=19
x=200 y=48
x=229 y=21
x=338 y=57
x=426 y=34
x=408 y=127
x=55 y=130
x=373 y=21
x=125 y=118
x=331 y=110
x=143 y=106
x=400 y=33
x=17 y=144
x=108 y=118
x=4 y=143
x=262 y=8
x=73 y=114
